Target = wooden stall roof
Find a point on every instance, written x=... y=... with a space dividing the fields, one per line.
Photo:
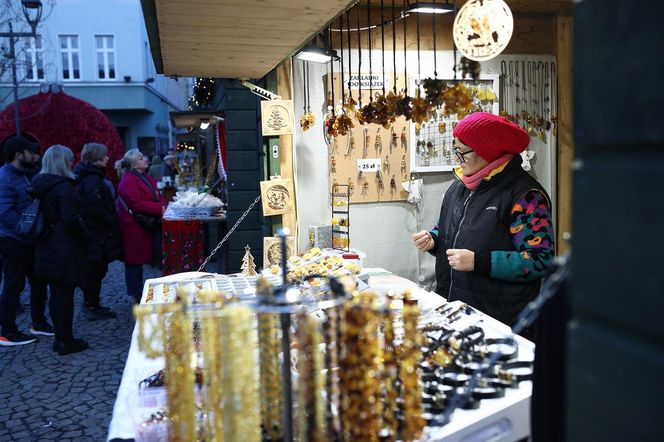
x=248 y=38
x=231 y=38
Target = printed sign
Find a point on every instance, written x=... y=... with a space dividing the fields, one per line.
x=374 y=81
x=368 y=165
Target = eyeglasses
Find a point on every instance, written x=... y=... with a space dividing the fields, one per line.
x=461 y=155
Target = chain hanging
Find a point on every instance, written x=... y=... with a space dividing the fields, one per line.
x=394 y=48
x=435 y=58
x=350 y=60
x=405 y=61
x=370 y=49
x=341 y=61
x=329 y=36
x=382 y=38
x=237 y=223
x=359 y=56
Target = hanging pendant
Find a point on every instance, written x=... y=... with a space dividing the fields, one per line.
x=359 y=177
x=403 y=165
x=386 y=164
x=335 y=146
x=333 y=163
x=379 y=182
x=378 y=144
x=350 y=145
x=365 y=187
x=365 y=147
x=393 y=185
x=393 y=138
x=351 y=187
x=404 y=140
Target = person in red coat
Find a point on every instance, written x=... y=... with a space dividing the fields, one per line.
x=137 y=194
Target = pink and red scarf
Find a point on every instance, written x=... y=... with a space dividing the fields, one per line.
x=471 y=182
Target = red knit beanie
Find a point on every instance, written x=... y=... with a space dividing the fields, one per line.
x=491 y=136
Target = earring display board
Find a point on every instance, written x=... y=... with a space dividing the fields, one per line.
x=371 y=160
x=277 y=196
x=432 y=146
x=272 y=250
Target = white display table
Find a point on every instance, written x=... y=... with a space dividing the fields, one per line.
x=500 y=419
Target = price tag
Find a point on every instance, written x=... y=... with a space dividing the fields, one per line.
x=368 y=165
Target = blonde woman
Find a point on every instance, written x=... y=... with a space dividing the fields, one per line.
x=60 y=250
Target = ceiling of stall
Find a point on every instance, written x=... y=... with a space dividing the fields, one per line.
x=231 y=38
x=248 y=38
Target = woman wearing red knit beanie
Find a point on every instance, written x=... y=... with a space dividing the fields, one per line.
x=494 y=239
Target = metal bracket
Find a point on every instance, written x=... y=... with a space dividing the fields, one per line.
x=264 y=94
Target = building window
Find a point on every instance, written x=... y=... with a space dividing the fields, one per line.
x=105 y=57
x=70 y=57
x=34 y=63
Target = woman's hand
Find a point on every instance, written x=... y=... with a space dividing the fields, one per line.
x=461 y=260
x=423 y=241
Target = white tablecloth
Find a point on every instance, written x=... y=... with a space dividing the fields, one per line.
x=502 y=419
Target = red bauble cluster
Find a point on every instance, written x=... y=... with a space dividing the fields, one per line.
x=57 y=118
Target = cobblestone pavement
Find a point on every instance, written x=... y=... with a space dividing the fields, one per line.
x=47 y=397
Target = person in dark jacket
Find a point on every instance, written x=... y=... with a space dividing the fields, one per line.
x=61 y=249
x=494 y=240
x=17 y=253
x=101 y=219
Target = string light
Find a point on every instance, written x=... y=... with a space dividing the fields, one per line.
x=203 y=93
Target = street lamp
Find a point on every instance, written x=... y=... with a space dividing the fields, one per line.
x=28 y=7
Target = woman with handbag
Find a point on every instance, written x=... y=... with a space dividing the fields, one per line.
x=61 y=247
x=140 y=206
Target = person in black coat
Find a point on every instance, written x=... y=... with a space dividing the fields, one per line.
x=61 y=248
x=101 y=219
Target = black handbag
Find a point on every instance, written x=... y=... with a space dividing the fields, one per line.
x=148 y=222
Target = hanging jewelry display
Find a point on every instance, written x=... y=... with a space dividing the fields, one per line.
x=376 y=107
x=269 y=338
x=331 y=330
x=308 y=119
x=359 y=366
x=411 y=354
x=311 y=408
x=239 y=375
x=393 y=185
x=390 y=371
x=213 y=371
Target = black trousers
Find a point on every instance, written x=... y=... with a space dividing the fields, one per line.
x=17 y=264
x=62 y=311
x=91 y=283
x=134 y=280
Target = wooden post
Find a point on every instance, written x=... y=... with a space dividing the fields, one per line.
x=284 y=88
x=564 y=56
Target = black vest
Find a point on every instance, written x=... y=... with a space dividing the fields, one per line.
x=479 y=220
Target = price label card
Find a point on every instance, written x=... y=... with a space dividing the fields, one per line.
x=368 y=165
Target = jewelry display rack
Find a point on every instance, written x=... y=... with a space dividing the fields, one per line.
x=341 y=217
